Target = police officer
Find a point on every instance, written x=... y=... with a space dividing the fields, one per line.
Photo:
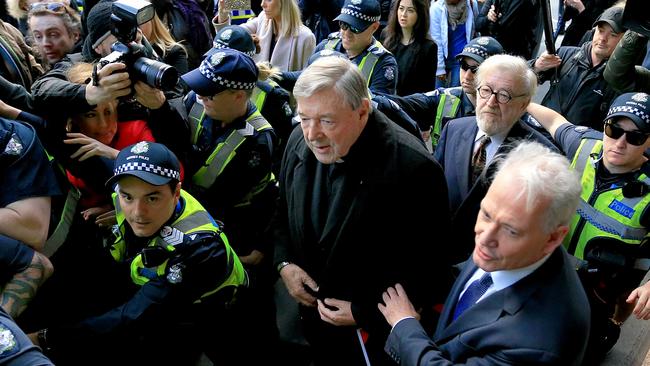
x=269 y=98
x=17 y=262
x=610 y=228
x=230 y=171
x=182 y=271
x=433 y=109
x=232 y=146
x=29 y=184
x=358 y=20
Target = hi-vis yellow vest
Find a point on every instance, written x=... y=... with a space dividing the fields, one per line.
x=225 y=151
x=193 y=219
x=606 y=214
x=368 y=62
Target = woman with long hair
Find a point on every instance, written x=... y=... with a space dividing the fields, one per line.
x=170 y=52
x=98 y=133
x=407 y=37
x=284 y=41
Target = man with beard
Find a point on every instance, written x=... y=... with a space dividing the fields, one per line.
x=504 y=87
x=432 y=110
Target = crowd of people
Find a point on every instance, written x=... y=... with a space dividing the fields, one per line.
x=206 y=182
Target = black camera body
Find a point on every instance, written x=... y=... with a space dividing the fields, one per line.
x=126 y=16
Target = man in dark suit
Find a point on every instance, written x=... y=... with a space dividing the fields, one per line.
x=505 y=85
x=518 y=300
x=350 y=222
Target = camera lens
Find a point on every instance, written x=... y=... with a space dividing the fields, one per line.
x=156 y=74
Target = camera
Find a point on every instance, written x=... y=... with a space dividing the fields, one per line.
x=126 y=16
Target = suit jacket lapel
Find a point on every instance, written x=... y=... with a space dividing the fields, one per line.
x=509 y=300
x=450 y=304
x=464 y=154
x=302 y=186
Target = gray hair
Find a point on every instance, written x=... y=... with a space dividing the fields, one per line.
x=544 y=174
x=513 y=65
x=333 y=72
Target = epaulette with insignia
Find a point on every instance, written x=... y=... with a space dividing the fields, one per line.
x=376 y=50
x=334 y=35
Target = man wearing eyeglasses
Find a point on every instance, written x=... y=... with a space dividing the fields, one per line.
x=612 y=220
x=467 y=146
x=433 y=109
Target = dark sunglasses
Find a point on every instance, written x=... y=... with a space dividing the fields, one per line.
x=346 y=26
x=636 y=137
x=465 y=66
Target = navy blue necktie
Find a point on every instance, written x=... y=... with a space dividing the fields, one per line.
x=474 y=292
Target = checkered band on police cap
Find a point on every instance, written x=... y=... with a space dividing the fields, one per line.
x=630 y=110
x=481 y=48
x=360 y=15
x=146 y=167
x=207 y=71
x=635 y=106
x=477 y=51
x=220 y=46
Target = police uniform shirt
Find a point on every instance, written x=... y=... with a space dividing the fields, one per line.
x=26 y=170
x=384 y=75
x=211 y=134
x=569 y=136
x=14 y=257
x=251 y=163
x=15 y=348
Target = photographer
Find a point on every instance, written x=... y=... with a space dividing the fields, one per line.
x=621 y=72
x=109 y=82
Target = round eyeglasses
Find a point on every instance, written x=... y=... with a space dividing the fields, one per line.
x=503 y=97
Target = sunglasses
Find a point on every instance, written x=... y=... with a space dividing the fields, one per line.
x=53 y=7
x=636 y=137
x=465 y=66
x=346 y=26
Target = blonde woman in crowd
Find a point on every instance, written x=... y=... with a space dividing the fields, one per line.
x=284 y=41
x=170 y=51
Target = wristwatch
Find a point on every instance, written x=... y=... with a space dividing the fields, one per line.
x=282 y=265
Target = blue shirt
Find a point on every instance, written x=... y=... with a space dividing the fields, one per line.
x=457 y=40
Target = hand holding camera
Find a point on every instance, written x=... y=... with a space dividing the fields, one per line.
x=126 y=16
x=112 y=83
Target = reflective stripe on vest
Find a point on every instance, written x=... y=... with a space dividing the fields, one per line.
x=609 y=224
x=193 y=219
x=609 y=214
x=225 y=151
x=60 y=233
x=258 y=98
x=368 y=62
x=447 y=107
x=197 y=112
x=62 y=229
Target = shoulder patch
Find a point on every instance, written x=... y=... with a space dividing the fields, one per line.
x=254 y=159
x=581 y=129
x=14 y=146
x=389 y=73
x=8 y=343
